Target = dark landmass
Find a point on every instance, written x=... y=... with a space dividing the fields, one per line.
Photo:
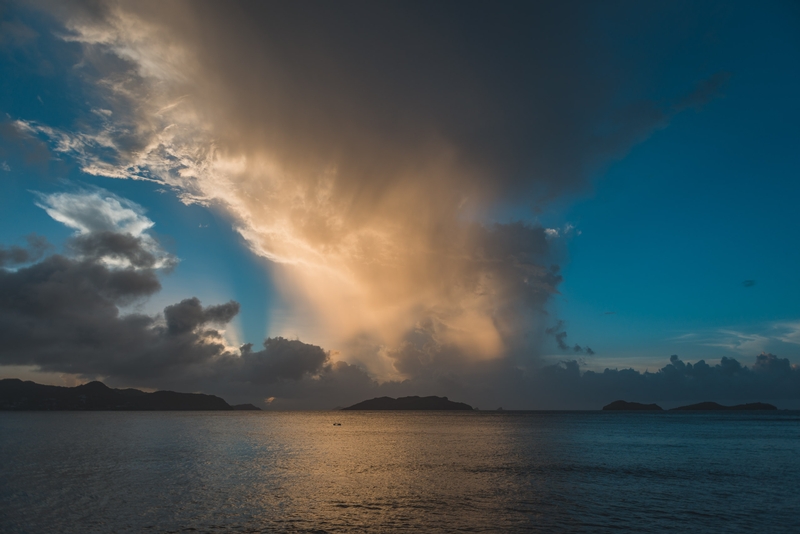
x=713 y=406
x=409 y=403
x=94 y=396
x=245 y=407
x=622 y=405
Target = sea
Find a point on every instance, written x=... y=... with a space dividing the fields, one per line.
x=120 y=472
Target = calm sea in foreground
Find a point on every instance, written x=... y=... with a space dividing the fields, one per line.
x=401 y=471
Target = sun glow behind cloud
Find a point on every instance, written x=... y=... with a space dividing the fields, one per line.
x=366 y=150
x=385 y=250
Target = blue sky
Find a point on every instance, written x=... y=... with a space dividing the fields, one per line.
x=657 y=234
x=670 y=232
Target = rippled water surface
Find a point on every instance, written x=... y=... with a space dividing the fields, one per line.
x=401 y=471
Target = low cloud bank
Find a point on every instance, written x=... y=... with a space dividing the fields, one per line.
x=493 y=384
x=768 y=378
x=63 y=314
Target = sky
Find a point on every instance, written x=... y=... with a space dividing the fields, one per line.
x=546 y=205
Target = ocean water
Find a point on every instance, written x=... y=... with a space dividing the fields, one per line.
x=399 y=472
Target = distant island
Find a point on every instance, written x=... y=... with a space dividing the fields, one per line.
x=622 y=406
x=96 y=396
x=409 y=403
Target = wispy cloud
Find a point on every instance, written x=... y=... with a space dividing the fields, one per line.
x=788 y=332
x=99 y=218
x=741 y=342
x=761 y=338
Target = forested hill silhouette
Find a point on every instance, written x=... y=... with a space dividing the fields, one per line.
x=18 y=395
x=409 y=403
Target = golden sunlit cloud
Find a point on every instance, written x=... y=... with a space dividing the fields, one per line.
x=375 y=217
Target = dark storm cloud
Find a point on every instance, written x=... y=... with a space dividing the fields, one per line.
x=560 y=336
x=280 y=358
x=516 y=255
x=62 y=314
x=565 y=386
x=114 y=246
x=188 y=314
x=769 y=378
x=749 y=283
x=15 y=255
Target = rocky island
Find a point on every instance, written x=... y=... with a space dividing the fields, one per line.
x=96 y=396
x=409 y=403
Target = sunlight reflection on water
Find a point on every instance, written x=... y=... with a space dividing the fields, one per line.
x=398 y=471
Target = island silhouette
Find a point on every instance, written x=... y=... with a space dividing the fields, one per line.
x=409 y=403
x=625 y=406
x=96 y=396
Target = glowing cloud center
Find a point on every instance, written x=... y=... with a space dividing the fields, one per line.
x=379 y=245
